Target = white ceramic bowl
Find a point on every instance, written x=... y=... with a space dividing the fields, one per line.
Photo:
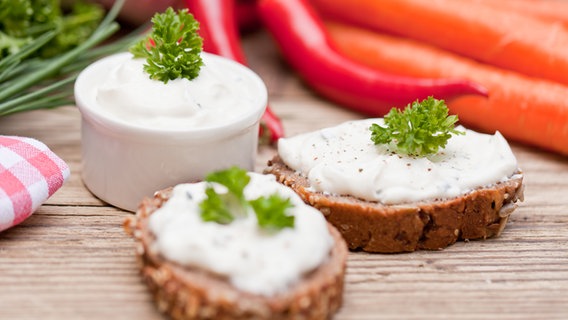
x=123 y=162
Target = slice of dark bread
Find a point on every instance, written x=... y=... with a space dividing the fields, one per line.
x=191 y=293
x=374 y=227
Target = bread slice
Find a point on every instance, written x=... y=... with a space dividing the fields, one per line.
x=374 y=227
x=190 y=293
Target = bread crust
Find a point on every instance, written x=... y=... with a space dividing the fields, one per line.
x=190 y=293
x=432 y=225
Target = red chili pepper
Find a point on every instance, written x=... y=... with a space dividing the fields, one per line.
x=247 y=16
x=306 y=45
x=219 y=30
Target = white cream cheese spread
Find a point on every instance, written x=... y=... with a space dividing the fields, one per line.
x=253 y=260
x=343 y=160
x=219 y=95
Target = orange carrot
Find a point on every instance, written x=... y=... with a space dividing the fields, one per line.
x=506 y=39
x=525 y=109
x=552 y=10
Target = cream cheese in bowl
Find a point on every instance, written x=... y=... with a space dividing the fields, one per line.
x=141 y=135
x=214 y=98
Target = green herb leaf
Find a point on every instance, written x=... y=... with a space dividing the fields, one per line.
x=215 y=207
x=24 y=20
x=172 y=50
x=271 y=212
x=420 y=130
x=234 y=179
x=32 y=31
x=223 y=208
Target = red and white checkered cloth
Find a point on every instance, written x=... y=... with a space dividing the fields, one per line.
x=29 y=174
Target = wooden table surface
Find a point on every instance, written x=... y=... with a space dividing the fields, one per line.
x=72 y=260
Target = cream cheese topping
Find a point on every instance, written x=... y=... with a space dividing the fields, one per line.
x=343 y=160
x=252 y=259
x=217 y=96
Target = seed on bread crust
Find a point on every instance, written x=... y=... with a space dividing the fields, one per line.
x=191 y=293
x=431 y=225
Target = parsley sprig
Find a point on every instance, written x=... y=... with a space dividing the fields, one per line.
x=421 y=129
x=223 y=208
x=172 y=50
x=271 y=212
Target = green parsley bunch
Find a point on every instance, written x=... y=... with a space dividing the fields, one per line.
x=223 y=208
x=172 y=50
x=421 y=129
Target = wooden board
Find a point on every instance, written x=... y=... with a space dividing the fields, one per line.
x=72 y=260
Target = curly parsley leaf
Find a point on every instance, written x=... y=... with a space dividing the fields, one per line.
x=172 y=50
x=271 y=212
x=421 y=129
x=224 y=207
